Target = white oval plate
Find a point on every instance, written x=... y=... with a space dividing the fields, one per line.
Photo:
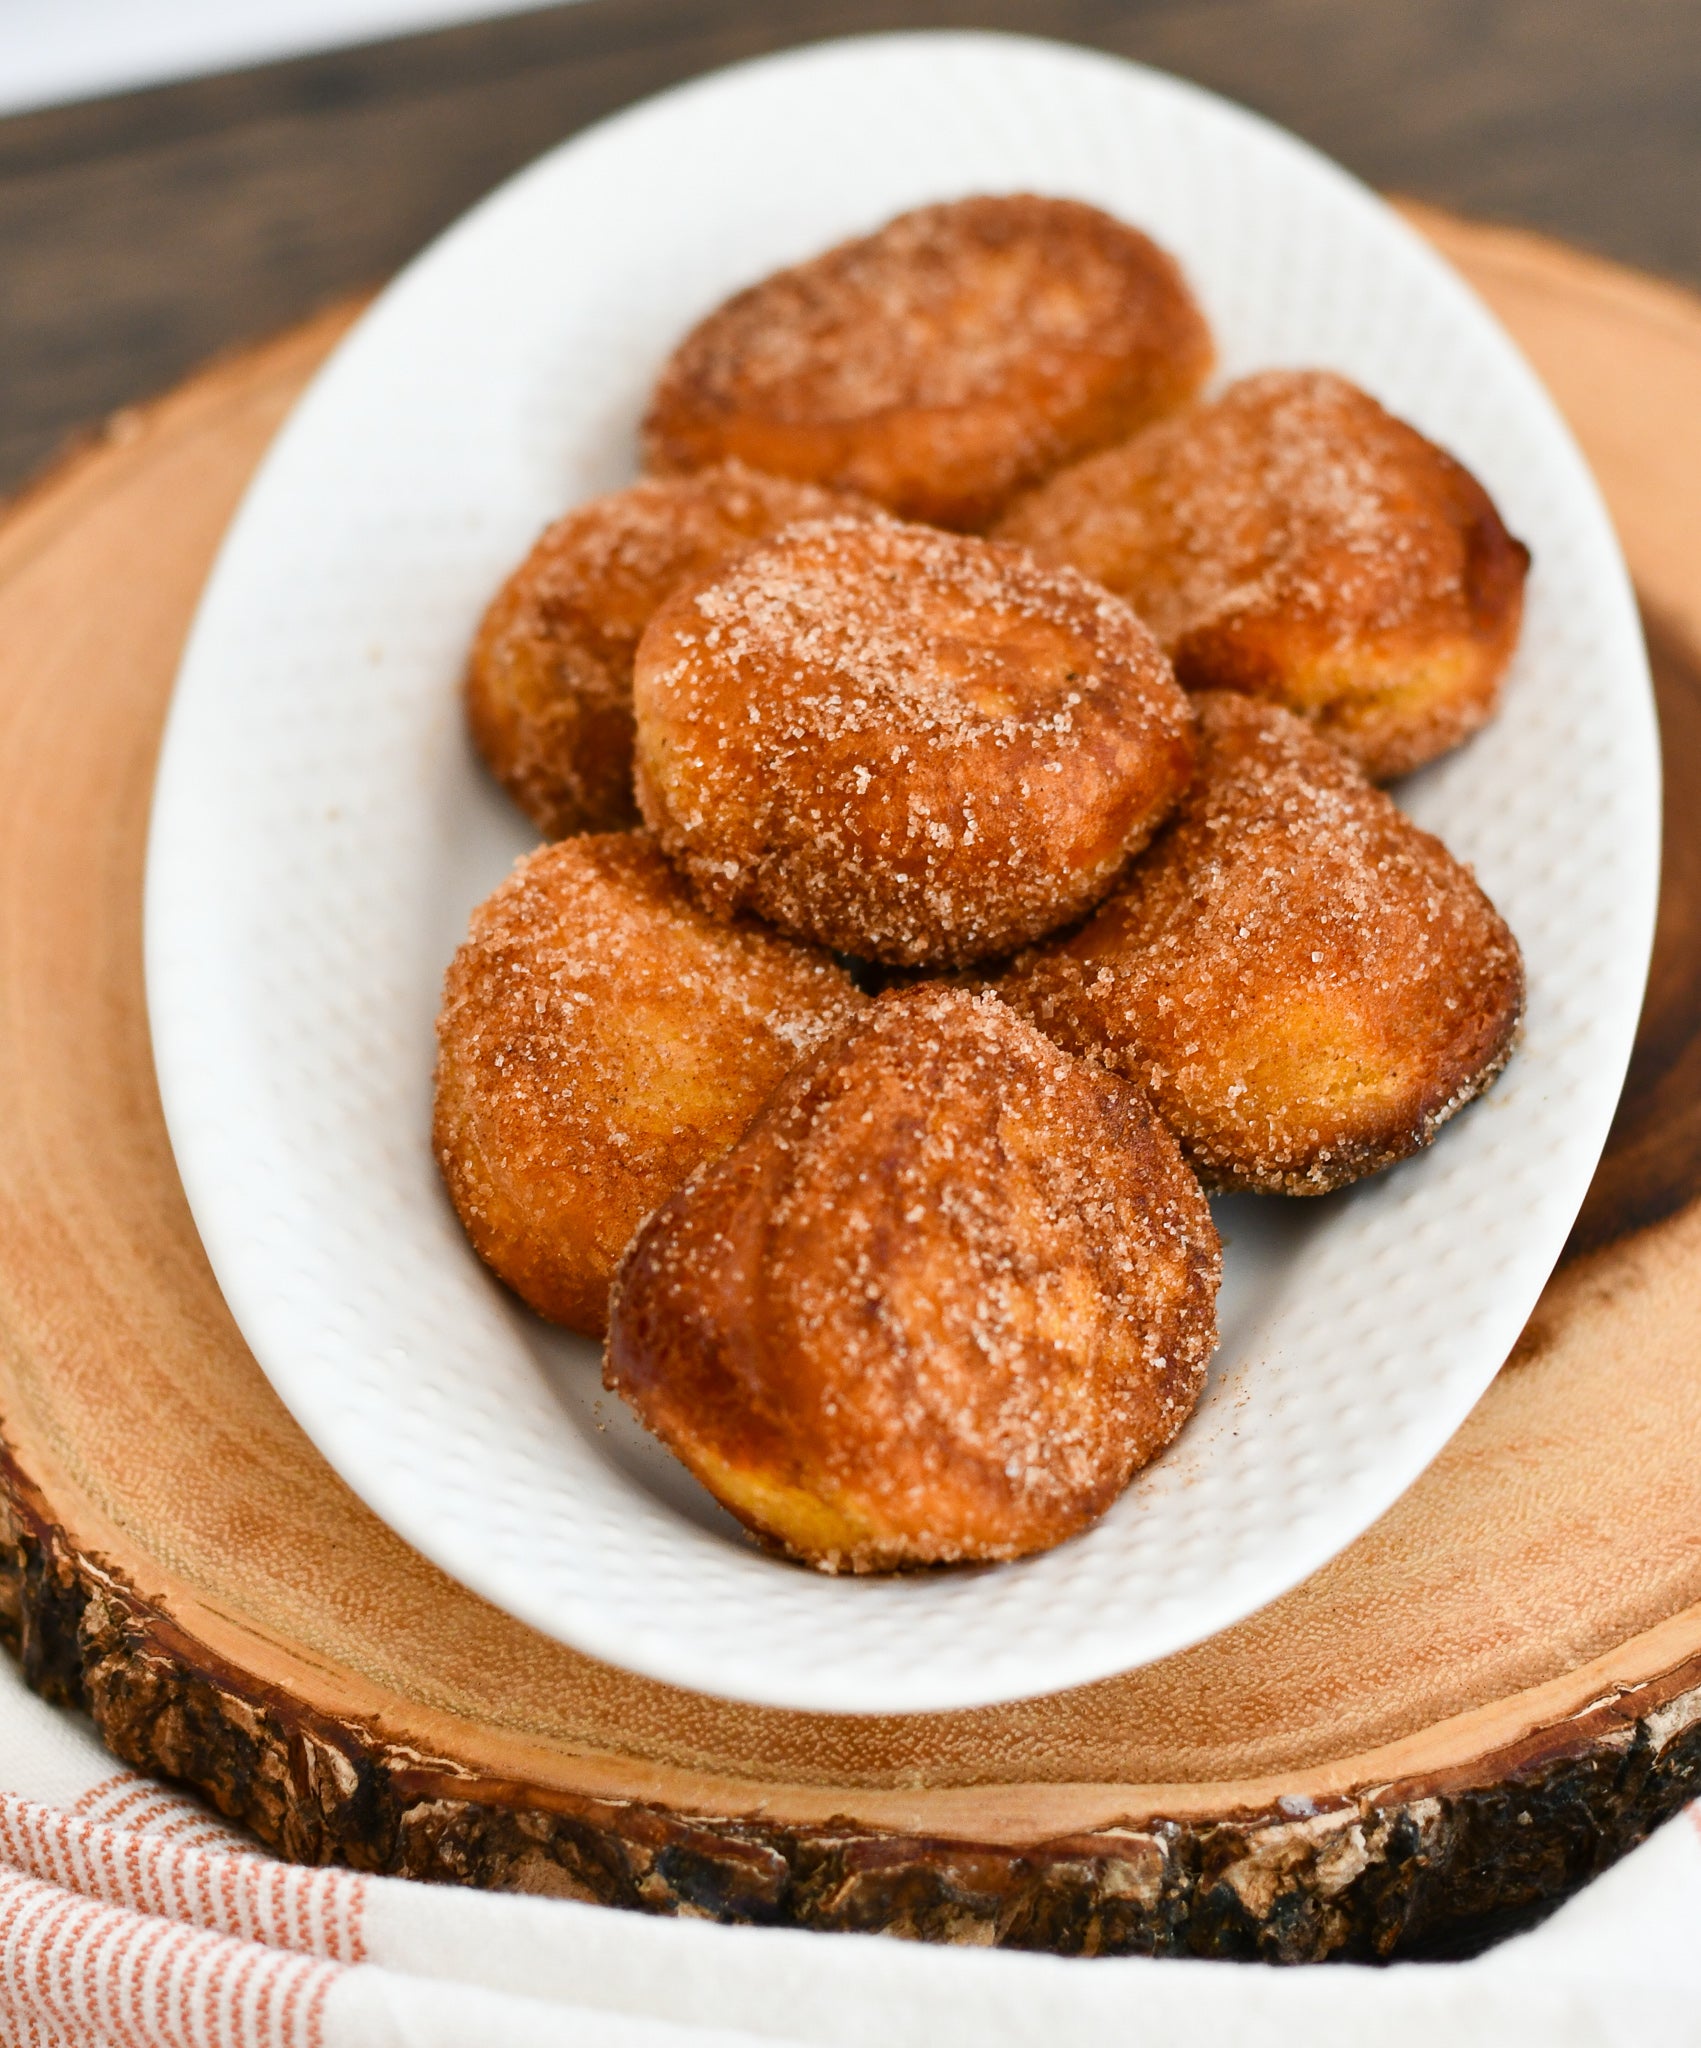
x=320 y=832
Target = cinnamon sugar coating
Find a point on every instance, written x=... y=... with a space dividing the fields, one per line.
x=942 y=364
x=1294 y=541
x=1305 y=984
x=947 y=1296
x=904 y=744
x=549 y=684
x=600 y=1037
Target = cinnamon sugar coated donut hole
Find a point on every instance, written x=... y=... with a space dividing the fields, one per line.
x=1305 y=984
x=600 y=1037
x=942 y=364
x=904 y=744
x=947 y=1296
x=549 y=685
x=1294 y=541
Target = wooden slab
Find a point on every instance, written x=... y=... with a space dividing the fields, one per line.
x=1491 y=1695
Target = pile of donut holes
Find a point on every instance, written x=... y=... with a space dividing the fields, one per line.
x=958 y=761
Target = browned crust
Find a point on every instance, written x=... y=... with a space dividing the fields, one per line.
x=1306 y=984
x=1295 y=541
x=942 y=364
x=907 y=745
x=948 y=1294
x=1355 y=1158
x=549 y=682
x=600 y=1037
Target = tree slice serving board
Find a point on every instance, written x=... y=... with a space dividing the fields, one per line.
x=1488 y=1698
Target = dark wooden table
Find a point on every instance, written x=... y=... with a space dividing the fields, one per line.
x=141 y=234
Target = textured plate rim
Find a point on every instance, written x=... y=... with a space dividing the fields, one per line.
x=178 y=1063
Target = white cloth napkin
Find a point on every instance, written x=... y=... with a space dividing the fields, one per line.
x=132 y=1917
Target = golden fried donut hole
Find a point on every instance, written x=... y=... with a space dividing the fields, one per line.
x=903 y=744
x=549 y=685
x=950 y=1292
x=943 y=364
x=600 y=1037
x=1305 y=984
x=1294 y=541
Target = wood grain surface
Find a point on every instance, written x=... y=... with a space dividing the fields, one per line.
x=1487 y=1698
x=139 y=235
